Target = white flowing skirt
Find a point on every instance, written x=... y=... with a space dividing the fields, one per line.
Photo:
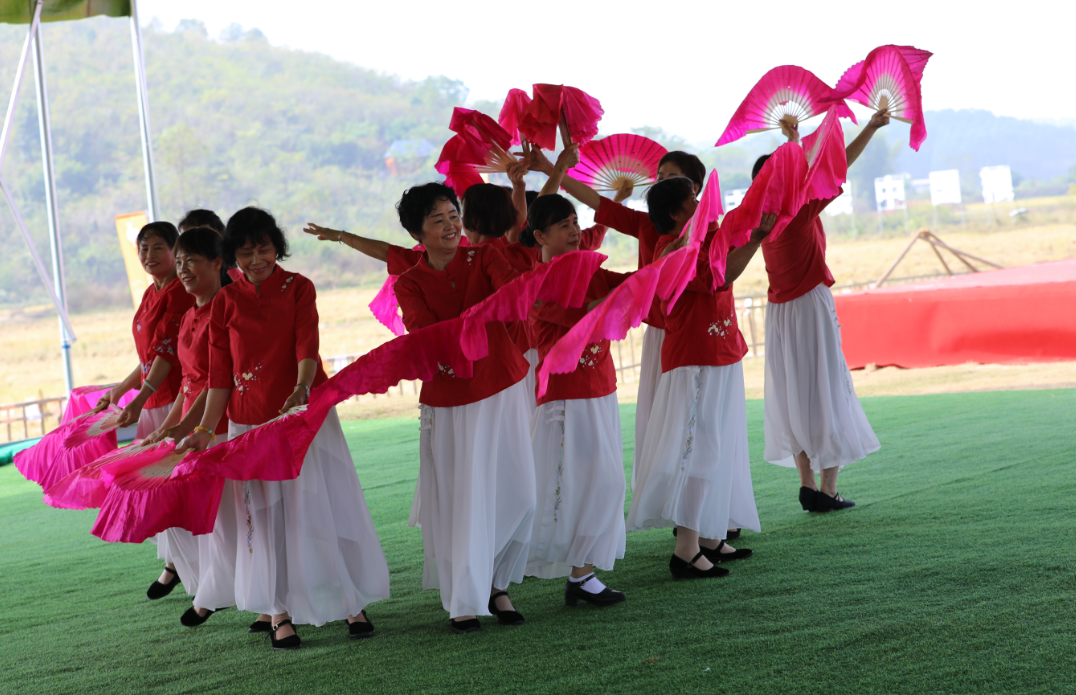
x=811 y=405
x=175 y=546
x=476 y=481
x=308 y=546
x=579 y=459
x=649 y=375
x=695 y=470
x=531 y=380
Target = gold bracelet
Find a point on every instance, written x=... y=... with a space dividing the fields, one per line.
x=199 y=428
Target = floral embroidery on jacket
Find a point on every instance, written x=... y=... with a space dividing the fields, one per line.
x=590 y=355
x=286 y=283
x=165 y=347
x=242 y=380
x=470 y=256
x=721 y=328
x=445 y=370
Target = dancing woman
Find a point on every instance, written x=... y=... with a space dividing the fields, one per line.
x=211 y=580
x=578 y=453
x=476 y=475
x=307 y=549
x=157 y=376
x=636 y=223
x=813 y=419
x=694 y=471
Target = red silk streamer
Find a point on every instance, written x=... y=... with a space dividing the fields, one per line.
x=551 y=103
x=515 y=103
x=564 y=281
x=827 y=163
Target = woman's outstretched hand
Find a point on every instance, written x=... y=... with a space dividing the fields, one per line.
x=323 y=233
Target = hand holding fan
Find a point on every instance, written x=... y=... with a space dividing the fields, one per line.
x=786 y=94
x=886 y=81
x=607 y=164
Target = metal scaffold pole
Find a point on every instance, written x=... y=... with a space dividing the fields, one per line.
x=152 y=209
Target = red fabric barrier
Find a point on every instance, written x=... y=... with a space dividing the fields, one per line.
x=1010 y=316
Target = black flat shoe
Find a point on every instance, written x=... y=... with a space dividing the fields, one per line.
x=359 y=629
x=574 y=593
x=504 y=617
x=715 y=554
x=190 y=617
x=157 y=590
x=461 y=627
x=682 y=569
x=289 y=642
x=732 y=535
x=260 y=626
x=808 y=500
x=825 y=503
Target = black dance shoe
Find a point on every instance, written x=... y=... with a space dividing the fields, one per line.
x=359 y=629
x=190 y=618
x=157 y=590
x=260 y=626
x=732 y=534
x=825 y=503
x=461 y=627
x=682 y=569
x=808 y=500
x=574 y=593
x=504 y=617
x=289 y=642
x=715 y=554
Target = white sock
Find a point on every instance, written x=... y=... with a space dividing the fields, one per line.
x=591 y=584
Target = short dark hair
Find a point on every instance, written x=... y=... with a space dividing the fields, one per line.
x=547 y=210
x=758 y=165
x=256 y=226
x=201 y=218
x=531 y=197
x=665 y=198
x=488 y=210
x=205 y=242
x=690 y=166
x=165 y=230
x=417 y=202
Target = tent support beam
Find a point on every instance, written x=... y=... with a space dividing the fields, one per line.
x=153 y=210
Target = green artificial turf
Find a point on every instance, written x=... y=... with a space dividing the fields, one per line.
x=953 y=574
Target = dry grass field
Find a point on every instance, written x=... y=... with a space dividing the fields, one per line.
x=30 y=363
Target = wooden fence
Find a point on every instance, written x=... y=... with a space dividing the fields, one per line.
x=32 y=416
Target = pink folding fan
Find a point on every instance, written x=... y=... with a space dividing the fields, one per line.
x=91 y=426
x=889 y=78
x=85 y=488
x=515 y=104
x=787 y=94
x=606 y=164
x=574 y=112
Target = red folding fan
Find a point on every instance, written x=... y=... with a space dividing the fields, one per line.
x=556 y=107
x=787 y=94
x=889 y=79
x=480 y=146
x=606 y=164
x=515 y=104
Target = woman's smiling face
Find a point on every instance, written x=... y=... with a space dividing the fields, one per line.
x=442 y=226
x=156 y=256
x=256 y=260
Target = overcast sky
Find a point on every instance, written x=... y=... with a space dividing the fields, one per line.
x=683 y=66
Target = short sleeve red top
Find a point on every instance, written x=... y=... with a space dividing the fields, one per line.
x=194 y=357
x=634 y=223
x=796 y=259
x=156 y=330
x=701 y=330
x=429 y=296
x=257 y=337
x=595 y=377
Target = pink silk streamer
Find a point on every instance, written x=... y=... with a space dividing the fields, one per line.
x=139 y=505
x=827 y=163
x=564 y=281
x=778 y=189
x=386 y=309
x=52 y=459
x=542 y=116
x=892 y=66
x=479 y=126
x=86 y=488
x=514 y=105
x=629 y=303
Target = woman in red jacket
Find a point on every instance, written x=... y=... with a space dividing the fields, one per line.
x=211 y=580
x=578 y=453
x=694 y=471
x=308 y=551
x=157 y=376
x=476 y=475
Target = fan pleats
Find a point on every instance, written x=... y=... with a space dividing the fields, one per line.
x=608 y=163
